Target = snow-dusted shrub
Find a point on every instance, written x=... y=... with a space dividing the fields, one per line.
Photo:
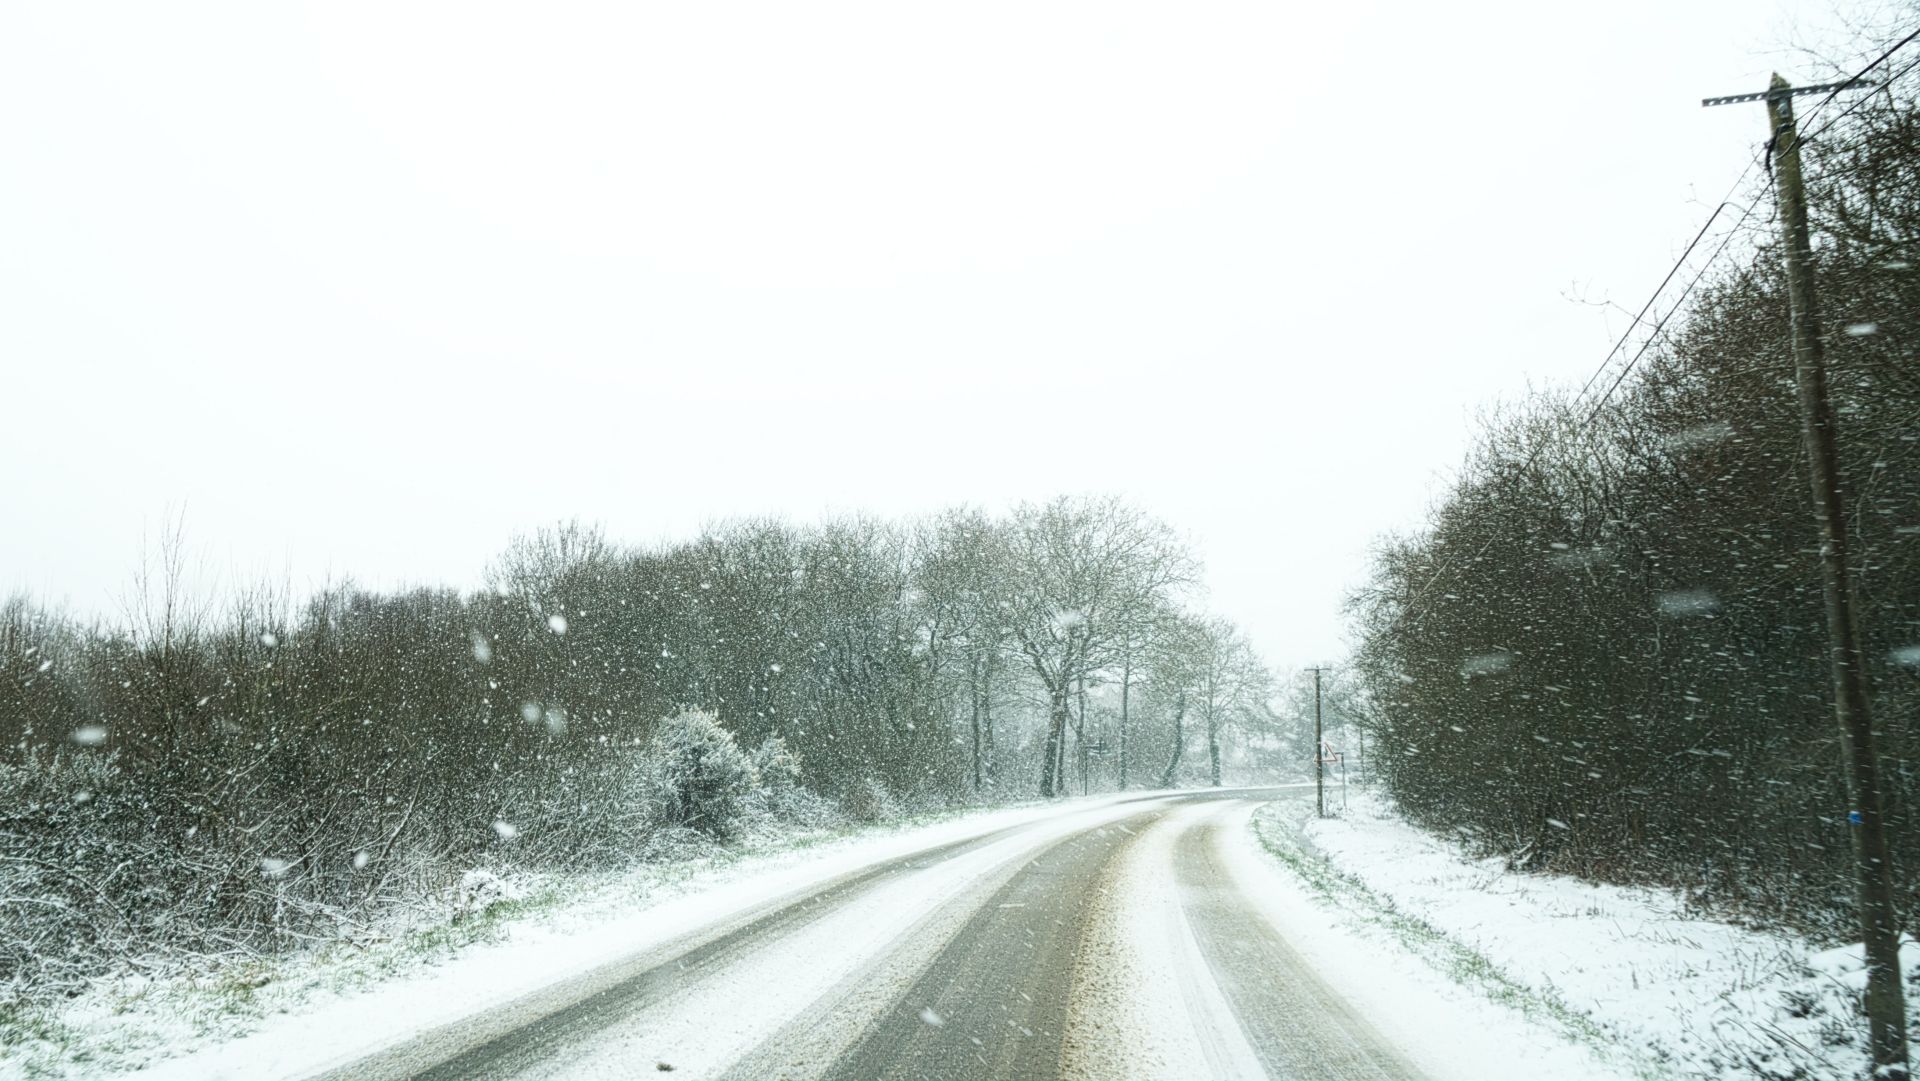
x=589 y=813
x=699 y=777
x=780 y=797
x=776 y=764
x=86 y=873
x=868 y=800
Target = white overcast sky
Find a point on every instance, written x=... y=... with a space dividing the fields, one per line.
x=368 y=287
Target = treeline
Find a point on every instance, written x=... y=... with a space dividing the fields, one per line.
x=278 y=772
x=1606 y=654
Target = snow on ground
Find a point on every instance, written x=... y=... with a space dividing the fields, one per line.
x=312 y=1013
x=1517 y=975
x=1449 y=1030
x=1665 y=992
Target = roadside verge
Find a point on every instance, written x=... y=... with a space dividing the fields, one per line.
x=1651 y=988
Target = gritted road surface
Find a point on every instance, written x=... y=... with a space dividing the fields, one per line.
x=1114 y=942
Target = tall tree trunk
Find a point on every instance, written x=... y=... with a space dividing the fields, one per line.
x=973 y=696
x=1126 y=685
x=1080 y=734
x=1213 y=745
x=1060 y=783
x=986 y=724
x=1179 y=740
x=1050 y=779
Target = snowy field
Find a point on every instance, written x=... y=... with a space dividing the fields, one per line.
x=1658 y=991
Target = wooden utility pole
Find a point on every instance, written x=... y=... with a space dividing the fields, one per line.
x=1852 y=704
x=1319 y=767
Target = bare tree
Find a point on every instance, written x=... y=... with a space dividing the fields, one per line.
x=1229 y=683
x=1080 y=573
x=958 y=586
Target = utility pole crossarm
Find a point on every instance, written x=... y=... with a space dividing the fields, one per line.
x=1785 y=92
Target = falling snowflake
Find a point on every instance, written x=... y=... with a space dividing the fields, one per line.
x=1687 y=603
x=1486 y=664
x=1700 y=435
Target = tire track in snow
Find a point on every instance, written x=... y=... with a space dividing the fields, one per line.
x=697 y=1006
x=984 y=997
x=1145 y=1005
x=502 y=1042
x=1098 y=945
x=1295 y=1023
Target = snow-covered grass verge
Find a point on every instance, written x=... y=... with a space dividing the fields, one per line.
x=1654 y=988
x=490 y=939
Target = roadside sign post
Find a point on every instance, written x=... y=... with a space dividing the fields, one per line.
x=1330 y=757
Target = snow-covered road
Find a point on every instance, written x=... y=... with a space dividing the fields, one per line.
x=1127 y=937
x=1109 y=942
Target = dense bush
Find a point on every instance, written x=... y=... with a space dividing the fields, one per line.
x=699 y=778
x=871 y=801
x=781 y=796
x=1607 y=652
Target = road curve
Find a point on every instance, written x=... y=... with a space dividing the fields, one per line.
x=1295 y=1023
x=1112 y=943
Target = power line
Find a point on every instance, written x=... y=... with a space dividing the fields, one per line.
x=1801 y=140
x=1678 y=305
x=1639 y=319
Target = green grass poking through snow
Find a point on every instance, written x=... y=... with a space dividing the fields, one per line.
x=1280 y=838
